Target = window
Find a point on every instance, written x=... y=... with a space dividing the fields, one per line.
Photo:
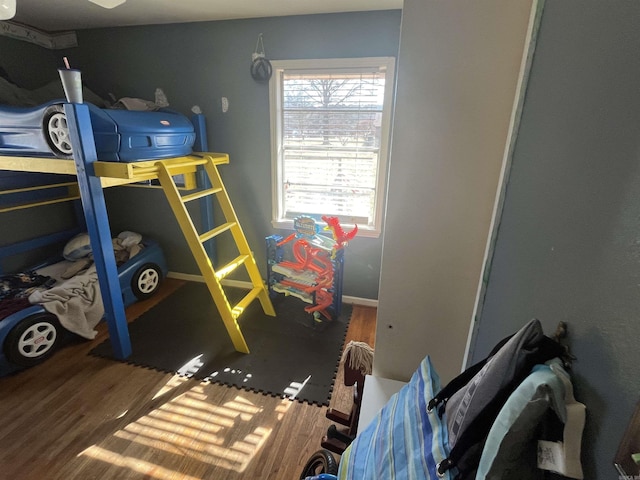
x=330 y=132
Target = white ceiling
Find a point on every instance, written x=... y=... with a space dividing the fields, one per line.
x=60 y=15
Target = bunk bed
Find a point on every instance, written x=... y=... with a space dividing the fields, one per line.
x=92 y=177
x=199 y=172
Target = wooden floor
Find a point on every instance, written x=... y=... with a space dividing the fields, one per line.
x=81 y=417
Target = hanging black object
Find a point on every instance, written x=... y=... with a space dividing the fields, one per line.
x=261 y=69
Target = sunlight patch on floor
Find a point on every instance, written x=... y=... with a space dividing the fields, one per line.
x=295 y=388
x=226 y=436
x=283 y=408
x=174 y=382
x=149 y=469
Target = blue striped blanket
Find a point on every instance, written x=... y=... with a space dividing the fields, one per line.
x=404 y=441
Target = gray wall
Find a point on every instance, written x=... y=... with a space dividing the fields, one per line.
x=198 y=64
x=568 y=245
x=40 y=68
x=457 y=76
x=22 y=224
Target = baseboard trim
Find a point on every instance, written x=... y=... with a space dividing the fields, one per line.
x=365 y=302
x=186 y=276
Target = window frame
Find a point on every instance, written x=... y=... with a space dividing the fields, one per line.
x=279 y=67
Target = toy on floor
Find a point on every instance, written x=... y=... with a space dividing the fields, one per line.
x=310 y=266
x=357 y=361
x=320 y=466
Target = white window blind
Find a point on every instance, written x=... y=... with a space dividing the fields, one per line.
x=331 y=140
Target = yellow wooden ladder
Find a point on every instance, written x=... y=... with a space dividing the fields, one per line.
x=196 y=241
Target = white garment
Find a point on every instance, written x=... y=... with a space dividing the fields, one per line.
x=76 y=302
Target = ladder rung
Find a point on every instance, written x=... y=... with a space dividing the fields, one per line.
x=244 y=303
x=231 y=266
x=216 y=231
x=200 y=194
x=192 y=162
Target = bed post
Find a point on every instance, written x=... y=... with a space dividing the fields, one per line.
x=95 y=213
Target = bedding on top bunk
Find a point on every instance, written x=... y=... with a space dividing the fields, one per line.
x=69 y=289
x=12 y=94
x=16 y=96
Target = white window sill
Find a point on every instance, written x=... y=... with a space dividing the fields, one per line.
x=363 y=230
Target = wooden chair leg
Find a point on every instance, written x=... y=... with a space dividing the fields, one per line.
x=338 y=416
x=333 y=445
x=336 y=440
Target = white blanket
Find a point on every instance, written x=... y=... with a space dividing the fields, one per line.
x=76 y=302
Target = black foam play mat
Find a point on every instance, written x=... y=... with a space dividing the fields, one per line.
x=291 y=355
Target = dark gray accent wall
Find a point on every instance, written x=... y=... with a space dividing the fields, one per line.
x=198 y=64
x=568 y=244
x=31 y=66
x=27 y=64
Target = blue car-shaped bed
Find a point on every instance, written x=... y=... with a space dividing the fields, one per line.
x=120 y=135
x=61 y=299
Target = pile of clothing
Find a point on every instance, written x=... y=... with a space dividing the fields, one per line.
x=16 y=288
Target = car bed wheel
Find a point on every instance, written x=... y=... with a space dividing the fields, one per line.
x=33 y=340
x=56 y=131
x=146 y=281
x=320 y=462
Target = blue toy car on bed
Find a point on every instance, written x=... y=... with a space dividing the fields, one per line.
x=31 y=335
x=120 y=135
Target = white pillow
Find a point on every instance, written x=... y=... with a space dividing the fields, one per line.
x=129 y=239
x=78 y=247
